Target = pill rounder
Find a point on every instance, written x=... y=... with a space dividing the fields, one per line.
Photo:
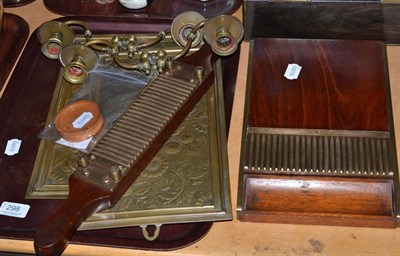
x=134 y=4
x=79 y=120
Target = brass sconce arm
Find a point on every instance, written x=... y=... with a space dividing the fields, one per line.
x=87 y=33
x=191 y=37
x=125 y=65
x=109 y=47
x=99 y=45
x=156 y=40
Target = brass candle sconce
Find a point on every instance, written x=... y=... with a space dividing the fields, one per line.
x=223 y=33
x=55 y=35
x=183 y=25
x=77 y=61
x=188 y=30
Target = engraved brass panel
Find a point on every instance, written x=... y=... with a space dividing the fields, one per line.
x=186 y=182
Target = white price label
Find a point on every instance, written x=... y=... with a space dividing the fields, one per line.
x=292 y=71
x=82 y=120
x=82 y=145
x=12 y=147
x=14 y=209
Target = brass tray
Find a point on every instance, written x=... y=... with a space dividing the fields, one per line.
x=188 y=181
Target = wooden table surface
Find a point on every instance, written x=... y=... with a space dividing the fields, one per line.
x=240 y=238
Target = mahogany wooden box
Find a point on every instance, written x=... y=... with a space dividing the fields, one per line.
x=319 y=149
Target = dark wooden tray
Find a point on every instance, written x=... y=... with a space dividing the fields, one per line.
x=325 y=19
x=16 y=3
x=13 y=37
x=27 y=100
x=156 y=8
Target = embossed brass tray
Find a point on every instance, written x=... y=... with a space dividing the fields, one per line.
x=186 y=182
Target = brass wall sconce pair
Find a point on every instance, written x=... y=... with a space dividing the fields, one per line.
x=57 y=39
x=223 y=33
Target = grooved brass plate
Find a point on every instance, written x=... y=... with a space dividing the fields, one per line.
x=319 y=152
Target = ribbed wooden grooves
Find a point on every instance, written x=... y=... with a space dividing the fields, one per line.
x=317 y=151
x=136 y=129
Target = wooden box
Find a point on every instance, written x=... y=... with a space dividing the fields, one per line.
x=319 y=148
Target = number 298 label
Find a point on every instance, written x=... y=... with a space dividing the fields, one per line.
x=14 y=209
